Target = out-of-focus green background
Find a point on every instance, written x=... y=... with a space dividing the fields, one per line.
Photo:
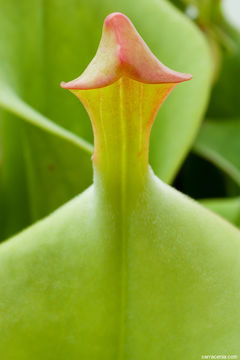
x=211 y=170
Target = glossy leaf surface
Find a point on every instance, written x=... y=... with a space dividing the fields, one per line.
x=62 y=40
x=122 y=271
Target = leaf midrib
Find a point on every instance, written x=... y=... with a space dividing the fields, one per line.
x=123 y=221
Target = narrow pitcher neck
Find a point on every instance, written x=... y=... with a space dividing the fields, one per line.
x=122 y=115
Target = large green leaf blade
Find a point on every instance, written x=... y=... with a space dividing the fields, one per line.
x=61 y=280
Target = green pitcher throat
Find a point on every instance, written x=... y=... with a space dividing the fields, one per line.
x=130 y=269
x=122 y=115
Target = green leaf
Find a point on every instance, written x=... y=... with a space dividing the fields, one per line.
x=122 y=271
x=178 y=122
x=228 y=208
x=59 y=43
x=10 y=102
x=46 y=169
x=44 y=166
x=14 y=195
x=58 y=169
x=218 y=142
x=61 y=282
x=225 y=96
x=55 y=182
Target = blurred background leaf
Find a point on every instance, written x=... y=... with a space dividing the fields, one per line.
x=228 y=208
x=218 y=142
x=225 y=95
